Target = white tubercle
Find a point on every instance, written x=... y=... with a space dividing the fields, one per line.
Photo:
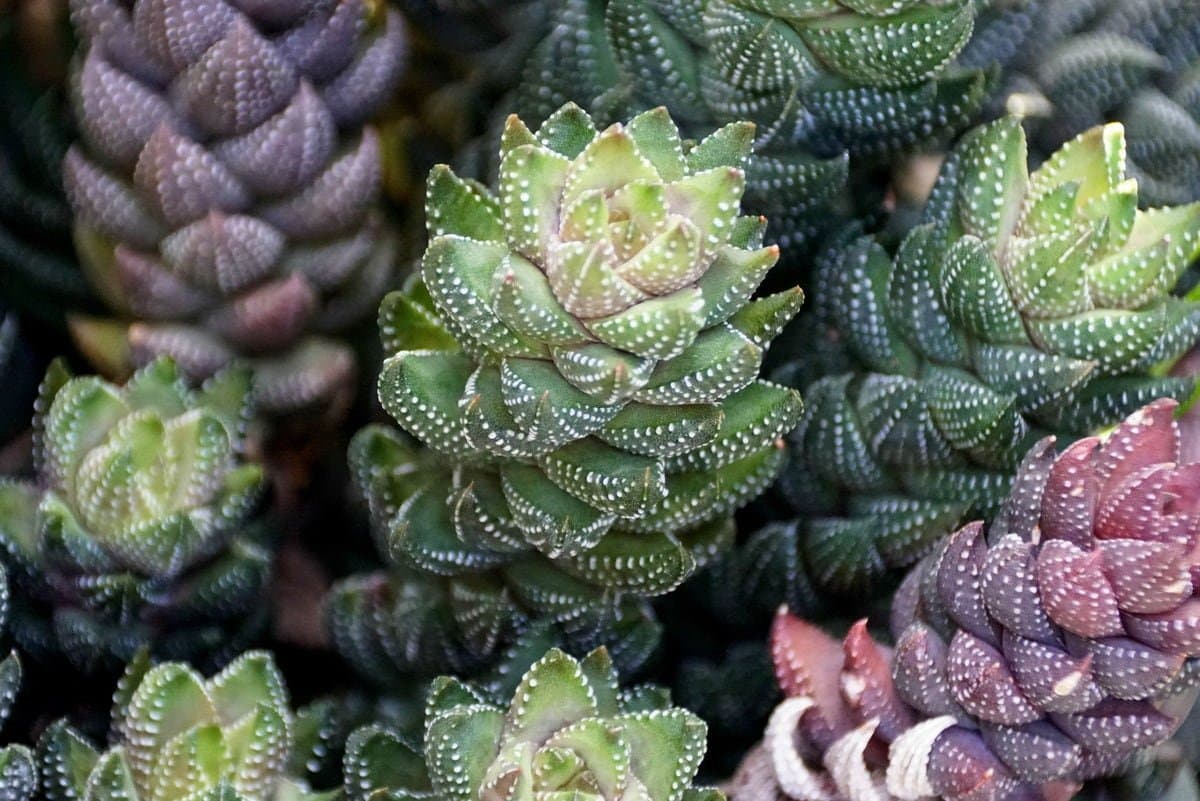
x=795 y=778
x=845 y=763
x=908 y=759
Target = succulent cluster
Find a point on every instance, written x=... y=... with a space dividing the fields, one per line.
x=1028 y=303
x=225 y=183
x=1070 y=66
x=568 y=731
x=136 y=530
x=18 y=768
x=1033 y=653
x=176 y=735
x=580 y=356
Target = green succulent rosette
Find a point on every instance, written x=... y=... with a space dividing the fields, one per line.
x=136 y=530
x=568 y=731
x=177 y=735
x=1030 y=302
x=580 y=357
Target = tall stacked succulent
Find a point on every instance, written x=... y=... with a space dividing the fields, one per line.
x=136 y=529
x=1069 y=66
x=176 y=735
x=225 y=183
x=568 y=732
x=1028 y=303
x=1044 y=652
x=580 y=357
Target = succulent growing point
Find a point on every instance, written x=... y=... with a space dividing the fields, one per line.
x=224 y=185
x=177 y=735
x=1029 y=303
x=1042 y=650
x=580 y=357
x=1069 y=66
x=136 y=528
x=569 y=731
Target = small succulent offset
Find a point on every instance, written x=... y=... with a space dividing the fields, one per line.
x=136 y=529
x=569 y=731
x=177 y=735
x=1069 y=66
x=1029 y=303
x=225 y=184
x=1042 y=652
x=581 y=357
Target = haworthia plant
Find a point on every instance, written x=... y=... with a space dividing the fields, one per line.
x=580 y=356
x=137 y=528
x=568 y=731
x=826 y=81
x=1069 y=66
x=176 y=735
x=18 y=767
x=225 y=184
x=1028 y=302
x=1041 y=650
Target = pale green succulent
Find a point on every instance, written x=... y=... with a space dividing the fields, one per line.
x=136 y=529
x=568 y=732
x=581 y=357
x=176 y=735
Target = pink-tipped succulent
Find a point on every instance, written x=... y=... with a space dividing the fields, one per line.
x=225 y=184
x=1042 y=653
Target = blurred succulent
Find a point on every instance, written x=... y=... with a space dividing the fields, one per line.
x=1028 y=303
x=1071 y=65
x=568 y=732
x=225 y=184
x=38 y=269
x=136 y=529
x=580 y=357
x=1046 y=652
x=176 y=735
x=18 y=768
x=17 y=372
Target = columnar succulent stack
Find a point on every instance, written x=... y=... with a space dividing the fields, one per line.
x=569 y=731
x=1028 y=302
x=225 y=184
x=1043 y=649
x=136 y=529
x=576 y=369
x=1070 y=66
x=580 y=357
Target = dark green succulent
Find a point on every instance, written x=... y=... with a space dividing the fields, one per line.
x=1068 y=66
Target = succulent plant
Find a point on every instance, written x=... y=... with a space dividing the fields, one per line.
x=580 y=357
x=1028 y=303
x=1042 y=650
x=136 y=530
x=225 y=183
x=176 y=735
x=40 y=273
x=1070 y=66
x=18 y=768
x=569 y=731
